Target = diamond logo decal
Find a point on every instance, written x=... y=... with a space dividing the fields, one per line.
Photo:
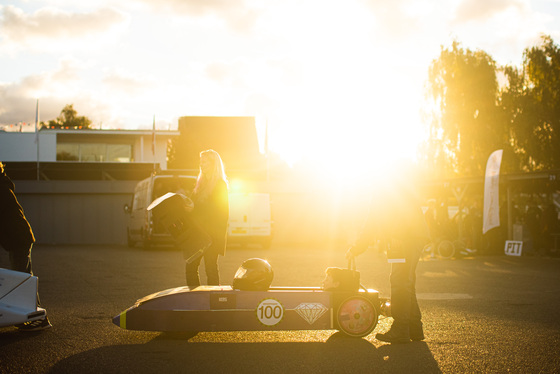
x=310 y=311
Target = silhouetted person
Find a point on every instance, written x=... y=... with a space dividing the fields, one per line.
x=396 y=215
x=549 y=227
x=474 y=225
x=16 y=236
x=533 y=222
x=432 y=221
x=211 y=211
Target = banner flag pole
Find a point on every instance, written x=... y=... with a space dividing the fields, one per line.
x=154 y=143
x=37 y=135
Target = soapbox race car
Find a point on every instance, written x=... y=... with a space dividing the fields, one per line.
x=223 y=308
x=250 y=304
x=18 y=298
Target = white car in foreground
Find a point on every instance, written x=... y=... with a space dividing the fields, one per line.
x=18 y=298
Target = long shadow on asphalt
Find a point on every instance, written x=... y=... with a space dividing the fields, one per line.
x=338 y=354
x=9 y=335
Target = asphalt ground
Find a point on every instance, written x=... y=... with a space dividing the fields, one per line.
x=490 y=314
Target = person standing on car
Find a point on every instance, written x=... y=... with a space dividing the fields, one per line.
x=396 y=217
x=211 y=211
x=16 y=237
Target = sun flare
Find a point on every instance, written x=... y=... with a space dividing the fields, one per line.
x=359 y=145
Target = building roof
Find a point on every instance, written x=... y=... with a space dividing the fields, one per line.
x=96 y=132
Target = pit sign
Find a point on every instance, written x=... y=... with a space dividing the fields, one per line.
x=513 y=247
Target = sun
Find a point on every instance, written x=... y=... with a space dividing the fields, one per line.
x=355 y=146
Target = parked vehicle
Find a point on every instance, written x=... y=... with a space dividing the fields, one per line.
x=250 y=219
x=142 y=228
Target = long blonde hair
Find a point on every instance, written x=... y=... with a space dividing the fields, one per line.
x=206 y=182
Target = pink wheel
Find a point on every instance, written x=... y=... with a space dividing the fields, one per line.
x=357 y=316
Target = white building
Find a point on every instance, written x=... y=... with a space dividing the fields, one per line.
x=86 y=146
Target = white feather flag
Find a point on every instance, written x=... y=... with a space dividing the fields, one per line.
x=491 y=217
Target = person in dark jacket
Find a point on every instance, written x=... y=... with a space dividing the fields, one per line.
x=16 y=237
x=396 y=218
x=211 y=211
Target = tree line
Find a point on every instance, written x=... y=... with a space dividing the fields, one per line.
x=479 y=107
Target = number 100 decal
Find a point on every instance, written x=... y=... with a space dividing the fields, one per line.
x=270 y=312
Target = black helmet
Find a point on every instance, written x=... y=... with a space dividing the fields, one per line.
x=255 y=274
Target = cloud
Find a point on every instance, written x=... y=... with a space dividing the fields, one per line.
x=54 y=89
x=50 y=28
x=503 y=28
x=512 y=24
x=16 y=106
x=238 y=74
x=274 y=75
x=127 y=83
x=197 y=7
x=397 y=19
x=482 y=10
x=54 y=83
x=237 y=14
x=219 y=71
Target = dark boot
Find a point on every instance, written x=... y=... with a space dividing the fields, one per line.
x=395 y=335
x=416 y=331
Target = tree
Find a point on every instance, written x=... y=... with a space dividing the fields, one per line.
x=531 y=101
x=69 y=119
x=468 y=124
x=473 y=116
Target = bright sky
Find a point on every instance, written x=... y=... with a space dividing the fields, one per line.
x=328 y=77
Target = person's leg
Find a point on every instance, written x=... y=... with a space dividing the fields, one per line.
x=20 y=259
x=400 y=305
x=415 y=316
x=211 y=267
x=191 y=271
x=401 y=295
x=407 y=318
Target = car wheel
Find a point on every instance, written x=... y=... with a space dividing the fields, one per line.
x=357 y=316
x=446 y=249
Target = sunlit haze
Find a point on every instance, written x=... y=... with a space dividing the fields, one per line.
x=337 y=84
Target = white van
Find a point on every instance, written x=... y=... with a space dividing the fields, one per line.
x=250 y=219
x=141 y=227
